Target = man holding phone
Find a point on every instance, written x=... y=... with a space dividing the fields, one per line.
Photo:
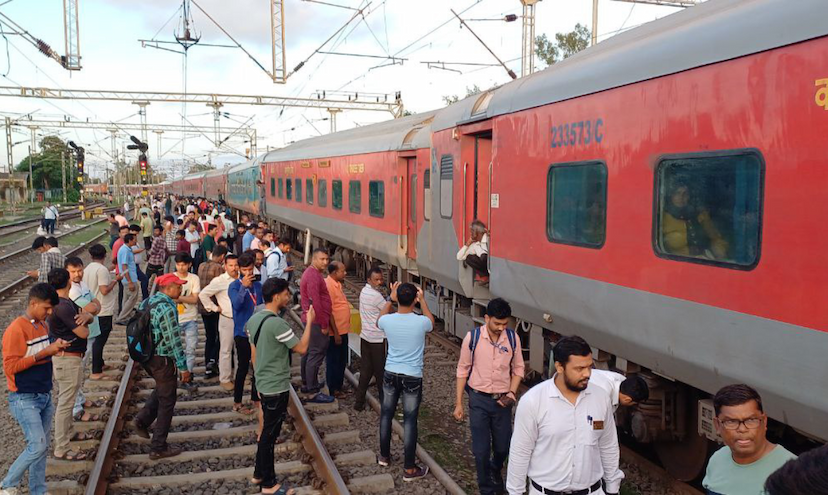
x=490 y=369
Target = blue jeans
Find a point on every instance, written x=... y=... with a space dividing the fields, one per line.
x=34 y=413
x=411 y=389
x=189 y=332
x=491 y=431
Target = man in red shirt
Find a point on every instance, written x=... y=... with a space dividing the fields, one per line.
x=340 y=324
x=314 y=291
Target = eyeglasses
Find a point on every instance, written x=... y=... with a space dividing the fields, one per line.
x=733 y=424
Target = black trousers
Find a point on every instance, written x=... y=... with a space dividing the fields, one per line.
x=491 y=431
x=147 y=243
x=242 y=369
x=372 y=363
x=274 y=408
x=480 y=264
x=335 y=361
x=161 y=403
x=211 y=346
x=105 y=324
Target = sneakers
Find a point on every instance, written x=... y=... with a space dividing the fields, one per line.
x=141 y=431
x=419 y=472
x=383 y=461
x=189 y=386
x=321 y=399
x=168 y=452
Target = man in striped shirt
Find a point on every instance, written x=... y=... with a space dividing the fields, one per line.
x=163 y=366
x=50 y=257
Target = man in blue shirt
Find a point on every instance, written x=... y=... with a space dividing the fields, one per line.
x=127 y=266
x=245 y=294
x=248 y=238
x=406 y=332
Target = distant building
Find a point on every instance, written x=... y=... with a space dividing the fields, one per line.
x=14 y=187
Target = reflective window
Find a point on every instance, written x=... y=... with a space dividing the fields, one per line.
x=289 y=185
x=709 y=208
x=309 y=191
x=336 y=194
x=427 y=194
x=355 y=196
x=576 y=204
x=413 y=199
x=272 y=186
x=323 y=193
x=281 y=188
x=446 y=180
x=376 y=198
x=298 y=187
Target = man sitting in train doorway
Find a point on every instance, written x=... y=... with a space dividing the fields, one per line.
x=475 y=254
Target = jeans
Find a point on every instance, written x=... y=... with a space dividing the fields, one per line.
x=160 y=406
x=68 y=374
x=242 y=369
x=112 y=239
x=144 y=280
x=411 y=389
x=372 y=363
x=335 y=362
x=211 y=344
x=491 y=431
x=34 y=414
x=189 y=334
x=105 y=322
x=49 y=225
x=313 y=359
x=274 y=409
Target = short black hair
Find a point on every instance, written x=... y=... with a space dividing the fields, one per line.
x=38 y=242
x=247 y=259
x=169 y=218
x=211 y=226
x=256 y=252
x=97 y=251
x=157 y=227
x=144 y=214
x=51 y=241
x=736 y=395
x=123 y=227
x=319 y=250
x=570 y=346
x=264 y=243
x=183 y=258
x=498 y=308
x=636 y=388
x=58 y=278
x=406 y=294
x=219 y=251
x=806 y=475
x=283 y=242
x=128 y=238
x=272 y=287
x=134 y=228
x=230 y=256
x=73 y=261
x=333 y=266
x=180 y=232
x=373 y=270
x=44 y=292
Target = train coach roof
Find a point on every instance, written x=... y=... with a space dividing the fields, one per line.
x=711 y=32
x=215 y=172
x=255 y=162
x=384 y=136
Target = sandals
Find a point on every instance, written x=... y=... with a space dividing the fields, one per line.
x=102 y=376
x=93 y=403
x=74 y=456
x=80 y=436
x=283 y=490
x=89 y=417
x=242 y=409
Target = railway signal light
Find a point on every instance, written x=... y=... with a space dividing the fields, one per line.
x=142 y=165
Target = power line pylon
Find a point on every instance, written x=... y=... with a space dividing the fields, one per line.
x=527 y=55
x=71 y=30
x=277 y=29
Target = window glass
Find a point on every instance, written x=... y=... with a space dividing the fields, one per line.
x=298 y=187
x=413 y=199
x=323 y=193
x=355 y=196
x=272 y=186
x=709 y=208
x=576 y=204
x=427 y=194
x=289 y=185
x=336 y=194
x=309 y=191
x=281 y=188
x=376 y=198
x=446 y=181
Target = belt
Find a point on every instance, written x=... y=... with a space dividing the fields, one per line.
x=493 y=396
x=67 y=353
x=586 y=491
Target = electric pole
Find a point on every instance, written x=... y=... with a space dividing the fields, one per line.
x=63 y=173
x=527 y=55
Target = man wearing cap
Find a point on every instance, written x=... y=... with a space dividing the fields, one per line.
x=163 y=366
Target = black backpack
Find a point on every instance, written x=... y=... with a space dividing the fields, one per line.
x=139 y=335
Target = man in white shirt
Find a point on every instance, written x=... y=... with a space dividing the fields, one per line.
x=475 y=253
x=102 y=284
x=50 y=216
x=623 y=390
x=276 y=261
x=564 y=437
x=218 y=288
x=228 y=226
x=192 y=236
x=371 y=338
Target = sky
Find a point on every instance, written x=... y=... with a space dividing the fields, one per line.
x=113 y=59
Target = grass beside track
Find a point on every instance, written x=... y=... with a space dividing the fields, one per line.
x=81 y=237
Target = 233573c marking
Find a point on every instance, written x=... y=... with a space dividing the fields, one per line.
x=581 y=133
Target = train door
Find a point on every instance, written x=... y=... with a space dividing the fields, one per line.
x=411 y=207
x=477 y=183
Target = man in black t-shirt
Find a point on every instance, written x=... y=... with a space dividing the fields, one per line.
x=69 y=323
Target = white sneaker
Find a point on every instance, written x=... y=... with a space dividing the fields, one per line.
x=9 y=491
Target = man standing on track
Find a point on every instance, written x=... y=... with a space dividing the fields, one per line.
x=337 y=355
x=50 y=216
x=218 y=288
x=146 y=230
x=565 y=438
x=206 y=273
x=82 y=296
x=50 y=257
x=102 y=284
x=371 y=338
x=245 y=294
x=126 y=264
x=273 y=340
x=140 y=255
x=163 y=366
x=157 y=253
x=490 y=369
x=28 y=368
x=187 y=305
x=314 y=291
x=171 y=244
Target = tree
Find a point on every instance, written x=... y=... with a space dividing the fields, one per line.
x=46 y=172
x=565 y=45
x=449 y=99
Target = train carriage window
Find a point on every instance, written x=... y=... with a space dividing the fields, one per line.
x=446 y=181
x=289 y=185
x=323 y=193
x=281 y=188
x=336 y=194
x=272 y=186
x=427 y=194
x=309 y=191
x=298 y=187
x=413 y=198
x=355 y=196
x=576 y=204
x=709 y=208
x=376 y=198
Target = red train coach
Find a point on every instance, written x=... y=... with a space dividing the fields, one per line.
x=215 y=184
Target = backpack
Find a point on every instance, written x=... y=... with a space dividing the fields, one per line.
x=259 y=330
x=268 y=258
x=139 y=335
x=475 y=338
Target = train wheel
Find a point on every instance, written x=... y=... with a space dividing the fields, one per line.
x=685 y=459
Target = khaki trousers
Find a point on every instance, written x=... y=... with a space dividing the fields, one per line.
x=69 y=376
x=226 y=345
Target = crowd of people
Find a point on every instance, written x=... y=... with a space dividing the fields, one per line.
x=559 y=437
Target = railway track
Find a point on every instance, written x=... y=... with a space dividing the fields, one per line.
x=25 y=224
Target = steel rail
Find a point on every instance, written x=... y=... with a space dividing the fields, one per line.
x=26 y=223
x=24 y=250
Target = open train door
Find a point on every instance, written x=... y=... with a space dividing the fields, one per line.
x=411 y=207
x=476 y=148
